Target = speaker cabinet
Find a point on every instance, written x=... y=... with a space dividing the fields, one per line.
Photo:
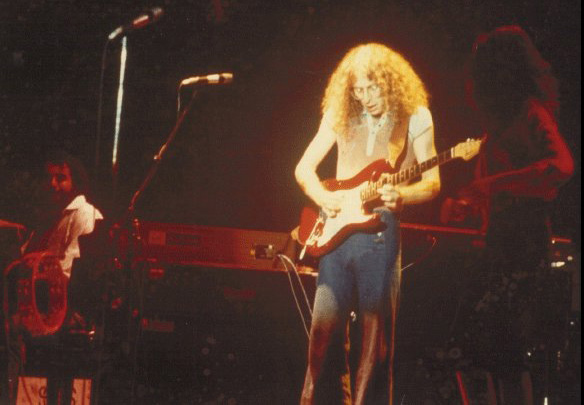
x=214 y=334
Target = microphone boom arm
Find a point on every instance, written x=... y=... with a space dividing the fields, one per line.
x=158 y=157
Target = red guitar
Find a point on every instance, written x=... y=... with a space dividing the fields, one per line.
x=320 y=234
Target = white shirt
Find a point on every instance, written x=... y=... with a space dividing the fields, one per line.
x=77 y=219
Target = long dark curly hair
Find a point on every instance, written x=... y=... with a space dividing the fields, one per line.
x=505 y=69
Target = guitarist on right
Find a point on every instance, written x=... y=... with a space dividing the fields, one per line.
x=522 y=163
x=375 y=107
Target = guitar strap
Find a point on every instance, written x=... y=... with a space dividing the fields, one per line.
x=397 y=146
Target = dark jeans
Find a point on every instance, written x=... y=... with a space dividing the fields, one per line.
x=359 y=275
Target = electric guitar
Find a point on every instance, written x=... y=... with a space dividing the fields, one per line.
x=321 y=234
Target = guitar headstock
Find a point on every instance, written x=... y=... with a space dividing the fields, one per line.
x=467 y=149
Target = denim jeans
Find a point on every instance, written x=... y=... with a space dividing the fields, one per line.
x=359 y=275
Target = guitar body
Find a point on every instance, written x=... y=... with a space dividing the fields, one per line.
x=321 y=234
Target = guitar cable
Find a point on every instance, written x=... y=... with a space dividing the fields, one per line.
x=423 y=257
x=291 y=268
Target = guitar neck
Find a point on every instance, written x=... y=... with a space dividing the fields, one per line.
x=370 y=191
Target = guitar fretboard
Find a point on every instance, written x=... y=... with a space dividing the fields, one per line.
x=370 y=191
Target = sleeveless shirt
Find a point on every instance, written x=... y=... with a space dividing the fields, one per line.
x=353 y=155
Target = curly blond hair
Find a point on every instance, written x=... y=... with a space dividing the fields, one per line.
x=402 y=89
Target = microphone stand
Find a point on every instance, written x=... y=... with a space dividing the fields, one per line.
x=158 y=158
x=117 y=238
x=109 y=204
x=133 y=240
x=129 y=214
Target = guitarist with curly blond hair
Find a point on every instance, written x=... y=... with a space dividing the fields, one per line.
x=375 y=108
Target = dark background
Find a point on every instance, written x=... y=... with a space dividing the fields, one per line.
x=233 y=158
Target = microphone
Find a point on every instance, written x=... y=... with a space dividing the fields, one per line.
x=143 y=20
x=216 y=78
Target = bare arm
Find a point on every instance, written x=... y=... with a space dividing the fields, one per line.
x=429 y=186
x=540 y=179
x=306 y=175
x=425 y=189
x=543 y=177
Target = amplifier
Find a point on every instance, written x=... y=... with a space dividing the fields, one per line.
x=214 y=246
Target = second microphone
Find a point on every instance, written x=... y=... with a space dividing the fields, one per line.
x=216 y=78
